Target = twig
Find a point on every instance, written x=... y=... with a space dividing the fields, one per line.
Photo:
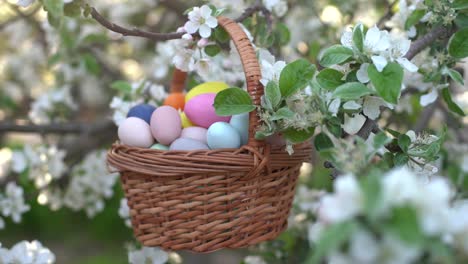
x=258 y=6
x=425 y=117
x=427 y=39
x=388 y=13
x=57 y=128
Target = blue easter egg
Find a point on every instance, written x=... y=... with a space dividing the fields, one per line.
x=142 y=111
x=241 y=124
x=222 y=135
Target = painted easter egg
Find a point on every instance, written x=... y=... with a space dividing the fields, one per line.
x=201 y=112
x=187 y=144
x=222 y=135
x=197 y=133
x=176 y=100
x=159 y=147
x=166 y=125
x=185 y=121
x=241 y=124
x=135 y=132
x=142 y=111
x=208 y=87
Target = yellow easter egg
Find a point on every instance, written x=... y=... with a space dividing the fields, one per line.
x=208 y=87
x=185 y=121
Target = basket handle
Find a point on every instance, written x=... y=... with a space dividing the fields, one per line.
x=251 y=70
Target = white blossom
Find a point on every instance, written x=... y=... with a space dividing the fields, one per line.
x=43 y=108
x=254 y=260
x=428 y=98
x=271 y=71
x=353 y=124
x=201 y=20
x=124 y=212
x=12 y=202
x=148 y=255
x=26 y=252
x=184 y=60
x=361 y=74
x=278 y=7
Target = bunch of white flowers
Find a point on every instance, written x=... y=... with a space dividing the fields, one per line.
x=148 y=255
x=431 y=200
x=278 y=7
x=90 y=184
x=52 y=106
x=12 y=203
x=44 y=163
x=26 y=252
x=124 y=212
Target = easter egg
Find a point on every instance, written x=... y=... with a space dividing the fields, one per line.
x=222 y=135
x=201 y=112
x=135 y=132
x=276 y=140
x=241 y=124
x=208 y=87
x=165 y=124
x=197 y=133
x=185 y=121
x=176 y=100
x=187 y=144
x=142 y=111
x=159 y=146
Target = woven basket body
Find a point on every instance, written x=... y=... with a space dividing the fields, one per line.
x=211 y=199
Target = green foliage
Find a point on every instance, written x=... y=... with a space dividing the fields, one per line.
x=450 y=103
x=336 y=54
x=329 y=79
x=233 y=101
x=404 y=223
x=91 y=64
x=298 y=136
x=388 y=82
x=358 y=37
x=273 y=94
x=460 y=4
x=414 y=18
x=295 y=76
x=351 y=91
x=372 y=190
x=404 y=142
x=456 y=76
x=122 y=86
x=212 y=50
x=282 y=113
x=458 y=44
x=322 y=142
x=54 y=7
x=380 y=139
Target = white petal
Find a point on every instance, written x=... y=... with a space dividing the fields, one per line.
x=205 y=11
x=372 y=37
x=211 y=22
x=361 y=74
x=404 y=46
x=24 y=3
x=334 y=106
x=351 y=105
x=412 y=135
x=407 y=64
x=347 y=39
x=379 y=62
x=205 y=31
x=352 y=125
x=371 y=107
x=428 y=98
x=191 y=27
x=384 y=42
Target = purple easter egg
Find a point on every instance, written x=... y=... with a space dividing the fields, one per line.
x=201 y=112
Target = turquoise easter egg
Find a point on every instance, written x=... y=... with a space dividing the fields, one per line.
x=160 y=147
x=241 y=124
x=222 y=135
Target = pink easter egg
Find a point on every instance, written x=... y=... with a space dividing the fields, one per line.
x=135 y=132
x=165 y=124
x=201 y=112
x=197 y=133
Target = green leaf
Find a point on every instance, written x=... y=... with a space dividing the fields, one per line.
x=122 y=86
x=54 y=59
x=455 y=75
x=91 y=64
x=414 y=18
x=273 y=94
x=335 y=55
x=400 y=159
x=380 y=140
x=393 y=132
x=283 y=113
x=351 y=91
x=54 y=21
x=450 y=103
x=404 y=223
x=322 y=142
x=358 y=37
x=329 y=79
x=283 y=36
x=212 y=50
x=458 y=44
x=404 y=142
x=233 y=101
x=54 y=7
x=461 y=20
x=460 y=4
x=371 y=188
x=388 y=82
x=221 y=35
x=72 y=9
x=295 y=76
x=298 y=136
x=331 y=239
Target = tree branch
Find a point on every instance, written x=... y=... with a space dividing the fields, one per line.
x=258 y=6
x=427 y=39
x=57 y=128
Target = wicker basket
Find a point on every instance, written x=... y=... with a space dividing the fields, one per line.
x=207 y=200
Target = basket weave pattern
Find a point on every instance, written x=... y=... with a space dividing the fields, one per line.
x=207 y=200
